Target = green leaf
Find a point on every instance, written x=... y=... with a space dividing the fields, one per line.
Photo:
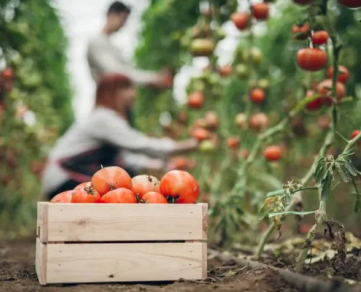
x=326 y=184
x=350 y=167
x=320 y=172
x=304 y=213
x=344 y=174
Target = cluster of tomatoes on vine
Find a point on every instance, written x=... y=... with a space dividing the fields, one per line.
x=114 y=185
x=314 y=58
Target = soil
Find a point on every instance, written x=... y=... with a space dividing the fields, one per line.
x=17 y=273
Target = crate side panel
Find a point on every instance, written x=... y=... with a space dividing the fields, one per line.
x=41 y=261
x=123 y=262
x=125 y=222
x=42 y=221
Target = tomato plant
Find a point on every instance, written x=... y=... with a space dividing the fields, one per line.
x=350 y=3
x=343 y=75
x=258 y=95
x=196 y=100
x=311 y=59
x=272 y=153
x=260 y=11
x=240 y=20
x=320 y=37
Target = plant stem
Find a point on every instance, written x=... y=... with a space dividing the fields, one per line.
x=352 y=143
x=327 y=143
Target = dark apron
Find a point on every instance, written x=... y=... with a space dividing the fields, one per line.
x=82 y=167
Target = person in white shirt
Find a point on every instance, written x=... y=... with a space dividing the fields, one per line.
x=105 y=138
x=104 y=58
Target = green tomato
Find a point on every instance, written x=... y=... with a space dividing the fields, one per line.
x=242 y=71
x=207 y=146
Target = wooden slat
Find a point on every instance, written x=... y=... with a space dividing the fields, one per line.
x=123 y=222
x=40 y=261
x=42 y=221
x=125 y=262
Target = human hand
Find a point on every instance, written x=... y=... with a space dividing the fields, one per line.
x=164 y=79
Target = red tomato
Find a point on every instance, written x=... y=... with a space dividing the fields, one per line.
x=355 y=133
x=120 y=195
x=311 y=59
x=64 y=197
x=314 y=105
x=259 y=122
x=201 y=134
x=225 y=70
x=233 y=142
x=212 y=120
x=325 y=88
x=240 y=20
x=154 y=198
x=82 y=185
x=86 y=195
x=350 y=3
x=181 y=186
x=260 y=11
x=301 y=32
x=320 y=37
x=272 y=153
x=343 y=73
x=196 y=99
x=258 y=95
x=143 y=184
x=110 y=178
x=7 y=73
x=302 y=2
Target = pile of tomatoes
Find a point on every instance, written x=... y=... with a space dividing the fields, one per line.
x=114 y=185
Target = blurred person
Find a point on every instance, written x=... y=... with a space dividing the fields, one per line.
x=105 y=138
x=104 y=57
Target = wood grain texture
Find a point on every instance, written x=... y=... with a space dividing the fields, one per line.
x=42 y=221
x=41 y=261
x=124 y=262
x=123 y=222
x=204 y=260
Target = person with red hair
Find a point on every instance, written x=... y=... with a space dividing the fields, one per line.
x=106 y=138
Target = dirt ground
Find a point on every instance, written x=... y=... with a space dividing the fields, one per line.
x=17 y=273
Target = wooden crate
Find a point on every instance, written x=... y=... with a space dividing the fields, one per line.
x=87 y=243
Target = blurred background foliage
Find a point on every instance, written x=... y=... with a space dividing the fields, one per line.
x=165 y=41
x=37 y=109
